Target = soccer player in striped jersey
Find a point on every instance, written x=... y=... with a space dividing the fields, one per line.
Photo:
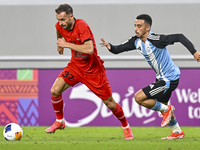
x=85 y=66
x=153 y=47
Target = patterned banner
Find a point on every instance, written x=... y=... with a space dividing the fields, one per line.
x=19 y=96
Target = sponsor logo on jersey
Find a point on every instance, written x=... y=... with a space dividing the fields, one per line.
x=151 y=86
x=80 y=55
x=78 y=39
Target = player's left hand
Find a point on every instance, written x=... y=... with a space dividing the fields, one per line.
x=60 y=50
x=197 y=56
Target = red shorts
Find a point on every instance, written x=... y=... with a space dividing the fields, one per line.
x=97 y=83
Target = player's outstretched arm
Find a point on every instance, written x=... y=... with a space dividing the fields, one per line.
x=116 y=49
x=170 y=39
x=104 y=43
x=197 y=56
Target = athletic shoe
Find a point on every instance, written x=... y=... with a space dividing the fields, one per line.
x=167 y=115
x=128 y=135
x=55 y=126
x=175 y=136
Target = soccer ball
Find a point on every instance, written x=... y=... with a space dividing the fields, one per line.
x=12 y=132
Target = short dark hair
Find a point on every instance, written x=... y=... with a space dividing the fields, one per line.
x=64 y=8
x=147 y=19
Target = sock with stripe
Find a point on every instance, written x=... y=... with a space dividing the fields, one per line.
x=160 y=107
x=173 y=124
x=119 y=114
x=57 y=102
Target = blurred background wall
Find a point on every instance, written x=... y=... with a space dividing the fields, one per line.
x=28 y=39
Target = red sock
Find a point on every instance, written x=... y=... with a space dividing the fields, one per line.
x=57 y=103
x=119 y=113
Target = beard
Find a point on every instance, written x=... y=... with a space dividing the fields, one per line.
x=141 y=35
x=67 y=27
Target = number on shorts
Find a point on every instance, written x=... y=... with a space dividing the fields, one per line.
x=66 y=74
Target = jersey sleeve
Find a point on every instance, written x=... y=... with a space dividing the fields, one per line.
x=84 y=32
x=171 y=39
x=163 y=40
x=126 y=46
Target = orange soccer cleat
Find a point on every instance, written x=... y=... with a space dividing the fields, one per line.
x=128 y=135
x=55 y=126
x=167 y=115
x=180 y=135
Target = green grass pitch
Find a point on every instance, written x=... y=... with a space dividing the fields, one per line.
x=102 y=138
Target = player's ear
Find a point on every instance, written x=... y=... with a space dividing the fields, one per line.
x=148 y=27
x=71 y=16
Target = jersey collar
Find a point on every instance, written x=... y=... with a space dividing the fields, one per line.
x=74 y=24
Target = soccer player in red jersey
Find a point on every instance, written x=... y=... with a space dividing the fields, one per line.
x=85 y=67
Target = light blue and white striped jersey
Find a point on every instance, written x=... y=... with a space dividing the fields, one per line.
x=158 y=58
x=156 y=54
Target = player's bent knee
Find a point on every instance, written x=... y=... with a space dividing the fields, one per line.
x=55 y=92
x=111 y=106
x=138 y=98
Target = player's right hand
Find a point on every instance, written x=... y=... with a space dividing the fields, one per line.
x=60 y=50
x=104 y=43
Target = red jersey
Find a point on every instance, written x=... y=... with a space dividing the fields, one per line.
x=81 y=33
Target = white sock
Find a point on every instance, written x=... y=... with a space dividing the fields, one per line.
x=126 y=127
x=164 y=108
x=176 y=128
x=60 y=120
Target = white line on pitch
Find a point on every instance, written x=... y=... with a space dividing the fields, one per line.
x=149 y=120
